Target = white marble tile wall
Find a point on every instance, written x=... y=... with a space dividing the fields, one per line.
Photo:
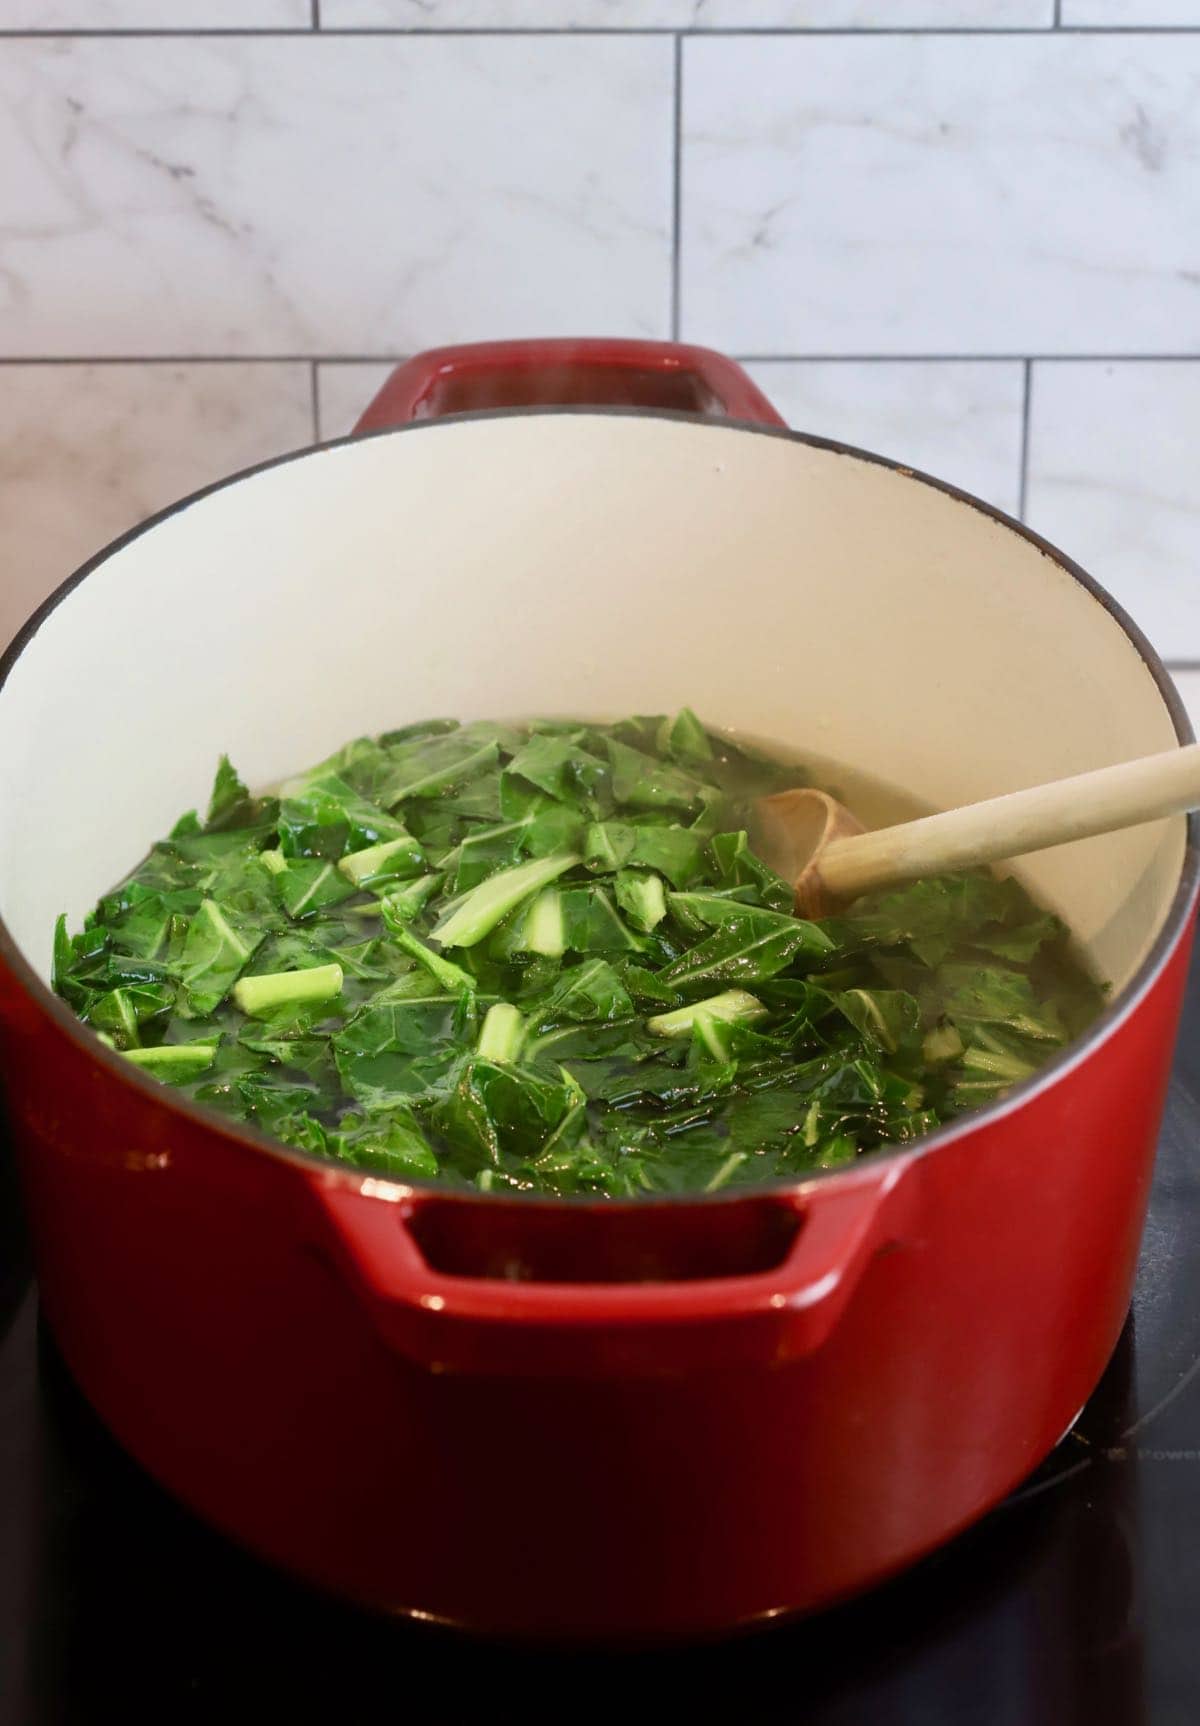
x=230 y=195
x=934 y=194
x=1129 y=14
x=88 y=450
x=343 y=391
x=687 y=14
x=155 y=14
x=964 y=233
x=1113 y=475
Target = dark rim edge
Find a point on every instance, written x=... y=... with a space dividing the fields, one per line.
x=1098 y=1033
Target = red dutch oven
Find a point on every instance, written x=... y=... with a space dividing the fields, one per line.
x=578 y=1418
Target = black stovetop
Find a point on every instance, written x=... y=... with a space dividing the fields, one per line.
x=1078 y=1600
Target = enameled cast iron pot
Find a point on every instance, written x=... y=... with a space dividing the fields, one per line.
x=582 y=1418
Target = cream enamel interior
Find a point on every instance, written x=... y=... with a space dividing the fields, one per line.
x=591 y=564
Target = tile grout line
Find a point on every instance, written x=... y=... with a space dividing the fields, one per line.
x=1027 y=397
x=1057 y=14
x=783 y=359
x=965 y=359
x=676 y=187
x=797 y=33
x=314 y=391
x=316 y=14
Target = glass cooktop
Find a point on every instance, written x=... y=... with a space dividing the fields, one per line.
x=1078 y=1600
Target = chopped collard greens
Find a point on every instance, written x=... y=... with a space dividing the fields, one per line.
x=545 y=957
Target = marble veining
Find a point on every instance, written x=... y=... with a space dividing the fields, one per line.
x=153 y=15
x=928 y=195
x=1131 y=14
x=959 y=421
x=853 y=203
x=88 y=451
x=344 y=391
x=686 y=14
x=1112 y=479
x=342 y=195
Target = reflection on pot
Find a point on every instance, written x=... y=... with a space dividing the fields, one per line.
x=1034 y=1616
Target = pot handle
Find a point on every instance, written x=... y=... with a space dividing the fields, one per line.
x=597 y=372
x=481 y=1323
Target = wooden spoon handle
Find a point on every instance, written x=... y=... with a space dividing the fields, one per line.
x=1011 y=826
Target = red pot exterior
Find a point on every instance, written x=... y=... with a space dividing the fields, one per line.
x=621 y=1459
x=196 y=1288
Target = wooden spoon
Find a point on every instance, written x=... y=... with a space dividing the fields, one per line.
x=809 y=838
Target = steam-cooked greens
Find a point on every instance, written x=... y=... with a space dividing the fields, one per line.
x=545 y=957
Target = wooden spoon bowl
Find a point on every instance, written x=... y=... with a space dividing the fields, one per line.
x=792 y=831
x=811 y=840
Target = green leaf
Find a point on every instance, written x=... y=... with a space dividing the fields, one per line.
x=64 y=954
x=684 y=737
x=750 y=945
x=477 y=915
x=888 y=1017
x=446 y=975
x=732 y=1004
x=96 y=968
x=230 y=804
x=563 y=770
x=268 y=1099
x=594 y=1032
x=495 y=1110
x=1022 y=943
x=942 y=913
x=477 y=800
x=215 y=950
x=713 y=909
x=400 y=1047
x=641 y=782
x=364 y=764
x=404 y=903
x=537 y=927
x=438 y=829
x=592 y=924
x=428 y=766
x=482 y=853
x=608 y=844
x=585 y=993
x=393 y=1146
x=737 y=866
x=124 y=1012
x=551 y=827
x=326 y=818
x=675 y=852
x=647 y=989
x=978 y=994
x=144 y=920
x=642 y=898
x=418 y=732
x=307 y=885
x=400 y=856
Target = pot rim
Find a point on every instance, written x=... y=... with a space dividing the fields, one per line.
x=250 y=1138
